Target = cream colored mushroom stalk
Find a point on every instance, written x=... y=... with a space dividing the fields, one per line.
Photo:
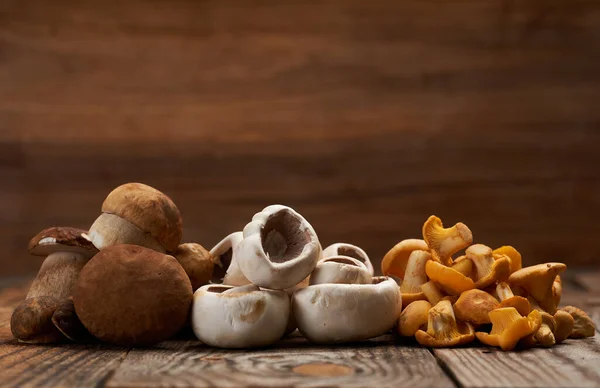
x=239 y=317
x=279 y=249
x=340 y=269
x=344 y=249
x=488 y=270
x=414 y=277
x=338 y=313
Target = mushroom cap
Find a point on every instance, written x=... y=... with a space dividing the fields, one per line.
x=413 y=318
x=340 y=269
x=583 y=325
x=489 y=270
x=131 y=295
x=537 y=281
x=66 y=320
x=520 y=303
x=395 y=261
x=564 y=325
x=150 y=210
x=226 y=269
x=345 y=249
x=474 y=306
x=239 y=317
x=197 y=263
x=442 y=328
x=508 y=327
x=336 y=313
x=61 y=238
x=513 y=255
x=280 y=248
x=444 y=242
x=31 y=322
x=452 y=281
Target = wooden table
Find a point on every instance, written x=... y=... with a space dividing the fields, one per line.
x=294 y=362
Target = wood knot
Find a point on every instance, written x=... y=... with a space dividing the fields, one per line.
x=323 y=369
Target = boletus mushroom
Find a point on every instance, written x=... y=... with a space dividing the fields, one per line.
x=31 y=322
x=132 y=296
x=345 y=249
x=279 y=249
x=340 y=269
x=67 y=322
x=135 y=213
x=239 y=317
x=338 y=313
x=197 y=262
x=444 y=242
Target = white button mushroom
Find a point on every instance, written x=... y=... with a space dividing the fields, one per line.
x=337 y=313
x=280 y=248
x=340 y=269
x=344 y=249
x=239 y=317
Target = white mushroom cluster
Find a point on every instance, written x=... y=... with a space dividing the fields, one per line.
x=278 y=278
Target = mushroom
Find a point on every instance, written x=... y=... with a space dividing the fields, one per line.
x=279 y=249
x=344 y=249
x=442 y=328
x=444 y=242
x=513 y=255
x=413 y=318
x=31 y=322
x=414 y=277
x=452 y=281
x=557 y=290
x=537 y=281
x=227 y=270
x=545 y=334
x=131 y=295
x=66 y=320
x=239 y=317
x=197 y=263
x=464 y=266
x=583 y=325
x=508 y=327
x=488 y=270
x=432 y=292
x=508 y=299
x=135 y=213
x=564 y=325
x=395 y=261
x=474 y=306
x=337 y=313
x=340 y=269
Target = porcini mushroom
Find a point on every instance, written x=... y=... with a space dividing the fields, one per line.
x=583 y=325
x=545 y=334
x=474 y=306
x=442 y=328
x=395 y=261
x=452 y=281
x=337 y=313
x=67 y=322
x=537 y=281
x=444 y=242
x=344 y=249
x=279 y=250
x=508 y=327
x=413 y=318
x=414 y=277
x=513 y=255
x=564 y=325
x=432 y=292
x=340 y=269
x=488 y=270
x=133 y=296
x=227 y=270
x=31 y=322
x=239 y=317
x=508 y=299
x=197 y=262
x=135 y=213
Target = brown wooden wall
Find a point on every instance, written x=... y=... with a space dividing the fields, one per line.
x=365 y=116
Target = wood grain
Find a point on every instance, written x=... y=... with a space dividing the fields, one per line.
x=292 y=364
x=365 y=116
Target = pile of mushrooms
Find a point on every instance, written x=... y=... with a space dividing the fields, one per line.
x=484 y=294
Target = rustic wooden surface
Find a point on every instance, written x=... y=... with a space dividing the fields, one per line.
x=366 y=116
x=294 y=362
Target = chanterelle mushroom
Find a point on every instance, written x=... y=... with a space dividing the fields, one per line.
x=512 y=254
x=452 y=281
x=583 y=324
x=337 y=313
x=414 y=277
x=442 y=328
x=508 y=299
x=344 y=249
x=488 y=269
x=395 y=261
x=537 y=281
x=413 y=318
x=131 y=295
x=432 y=292
x=239 y=317
x=135 y=213
x=340 y=269
x=279 y=250
x=474 y=306
x=197 y=263
x=545 y=334
x=226 y=269
x=508 y=327
x=444 y=242
x=564 y=325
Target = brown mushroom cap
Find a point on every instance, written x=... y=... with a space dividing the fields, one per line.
x=197 y=262
x=148 y=209
x=66 y=320
x=564 y=325
x=61 y=238
x=474 y=306
x=131 y=295
x=583 y=324
x=31 y=322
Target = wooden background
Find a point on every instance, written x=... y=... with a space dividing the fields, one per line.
x=365 y=116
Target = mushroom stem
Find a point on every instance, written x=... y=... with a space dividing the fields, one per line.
x=110 y=229
x=432 y=292
x=415 y=275
x=57 y=275
x=504 y=292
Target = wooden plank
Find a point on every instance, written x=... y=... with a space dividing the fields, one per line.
x=291 y=363
x=590 y=280
x=571 y=364
x=57 y=365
